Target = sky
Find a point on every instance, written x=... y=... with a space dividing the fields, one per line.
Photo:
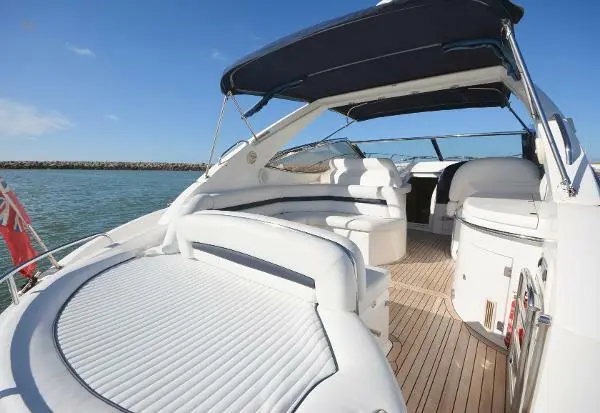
x=138 y=80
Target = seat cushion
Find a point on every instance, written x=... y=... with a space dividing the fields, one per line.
x=501 y=213
x=496 y=177
x=248 y=347
x=336 y=266
x=354 y=222
x=368 y=171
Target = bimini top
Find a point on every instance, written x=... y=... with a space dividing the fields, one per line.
x=390 y=43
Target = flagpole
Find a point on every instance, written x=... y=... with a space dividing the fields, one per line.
x=37 y=238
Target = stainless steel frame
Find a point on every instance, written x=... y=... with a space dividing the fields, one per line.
x=498 y=232
x=566 y=138
x=217 y=131
x=452 y=136
x=536 y=107
x=226 y=151
x=9 y=276
x=243 y=116
x=29 y=227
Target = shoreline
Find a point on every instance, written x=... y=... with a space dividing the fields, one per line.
x=105 y=165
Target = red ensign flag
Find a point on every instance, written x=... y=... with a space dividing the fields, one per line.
x=13 y=220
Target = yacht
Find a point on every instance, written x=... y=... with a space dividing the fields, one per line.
x=315 y=278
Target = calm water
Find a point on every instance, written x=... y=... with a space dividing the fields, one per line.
x=66 y=205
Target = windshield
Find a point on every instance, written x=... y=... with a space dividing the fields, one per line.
x=313 y=157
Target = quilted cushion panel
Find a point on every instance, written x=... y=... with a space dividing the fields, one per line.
x=166 y=334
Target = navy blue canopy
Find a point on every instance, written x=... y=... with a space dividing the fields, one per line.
x=391 y=43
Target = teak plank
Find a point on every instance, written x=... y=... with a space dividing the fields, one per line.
x=476 y=379
x=439 y=362
x=499 y=394
x=487 y=387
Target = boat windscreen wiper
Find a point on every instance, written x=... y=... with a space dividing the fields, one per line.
x=270 y=95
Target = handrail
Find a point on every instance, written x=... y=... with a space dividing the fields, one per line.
x=537 y=109
x=492 y=231
x=566 y=138
x=524 y=357
x=451 y=136
x=9 y=275
x=226 y=151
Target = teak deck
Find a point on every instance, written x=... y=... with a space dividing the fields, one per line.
x=440 y=363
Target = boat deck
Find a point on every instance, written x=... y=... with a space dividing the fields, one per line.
x=440 y=363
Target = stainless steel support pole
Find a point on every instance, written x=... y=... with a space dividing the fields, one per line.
x=14 y=292
x=37 y=238
x=30 y=228
x=217 y=131
x=9 y=276
x=244 y=118
x=536 y=107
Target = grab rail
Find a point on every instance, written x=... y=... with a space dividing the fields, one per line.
x=525 y=352
x=9 y=276
x=451 y=136
x=498 y=232
x=226 y=151
x=536 y=107
x=566 y=138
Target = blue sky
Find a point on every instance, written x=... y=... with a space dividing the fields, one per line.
x=138 y=80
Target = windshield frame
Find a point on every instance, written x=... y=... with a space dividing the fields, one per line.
x=307 y=147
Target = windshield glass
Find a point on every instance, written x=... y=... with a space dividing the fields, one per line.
x=407 y=138
x=313 y=157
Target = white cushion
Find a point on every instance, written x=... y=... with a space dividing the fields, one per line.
x=347 y=221
x=451 y=208
x=225 y=199
x=342 y=208
x=495 y=178
x=241 y=346
x=368 y=171
x=354 y=388
x=517 y=216
x=394 y=204
x=336 y=265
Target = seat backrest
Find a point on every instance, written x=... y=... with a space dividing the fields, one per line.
x=367 y=171
x=379 y=201
x=494 y=178
x=333 y=264
x=442 y=194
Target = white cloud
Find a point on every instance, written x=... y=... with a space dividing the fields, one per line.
x=81 y=51
x=217 y=55
x=114 y=118
x=21 y=120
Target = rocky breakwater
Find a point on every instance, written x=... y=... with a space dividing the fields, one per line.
x=104 y=165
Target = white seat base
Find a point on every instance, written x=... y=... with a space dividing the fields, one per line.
x=374 y=307
x=491 y=247
x=380 y=240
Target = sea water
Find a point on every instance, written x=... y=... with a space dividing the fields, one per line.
x=65 y=205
